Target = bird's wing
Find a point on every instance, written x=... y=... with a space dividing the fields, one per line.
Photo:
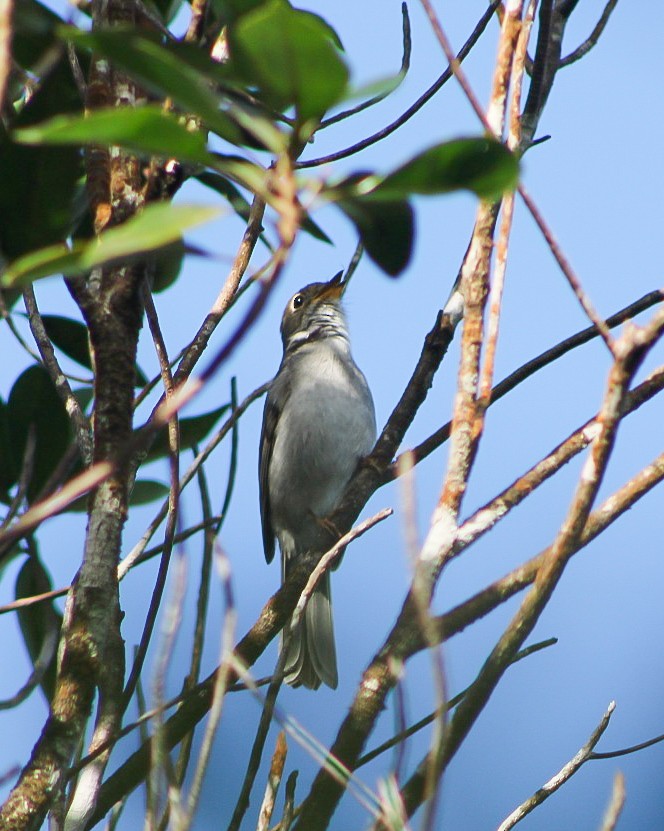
x=270 y=418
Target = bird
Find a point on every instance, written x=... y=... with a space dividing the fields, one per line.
x=318 y=423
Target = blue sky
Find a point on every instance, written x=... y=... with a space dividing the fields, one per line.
x=598 y=182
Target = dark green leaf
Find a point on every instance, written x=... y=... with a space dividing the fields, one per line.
x=84 y=396
x=169 y=9
x=157 y=225
x=192 y=431
x=481 y=165
x=386 y=230
x=39 y=183
x=236 y=200
x=184 y=74
x=141 y=378
x=143 y=492
x=34 y=32
x=290 y=56
x=221 y=185
x=230 y=10
x=146 y=129
x=7 y=466
x=40 y=622
x=313 y=228
x=168 y=264
x=70 y=336
x=34 y=408
x=146 y=491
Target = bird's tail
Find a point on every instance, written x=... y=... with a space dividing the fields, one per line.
x=312 y=655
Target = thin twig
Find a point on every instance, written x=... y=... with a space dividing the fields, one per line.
x=414 y=108
x=593 y=38
x=562 y=261
x=201 y=616
x=138 y=553
x=276 y=613
x=273 y=781
x=173 y=498
x=630 y=351
x=502 y=244
x=531 y=367
x=221 y=682
x=563 y=775
x=625 y=751
x=225 y=296
x=401 y=74
x=616 y=804
x=232 y=465
x=285 y=195
x=172 y=619
x=258 y=745
x=499 y=506
x=289 y=803
x=400 y=738
x=567 y=270
x=78 y=419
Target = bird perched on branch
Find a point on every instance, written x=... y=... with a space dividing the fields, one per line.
x=318 y=423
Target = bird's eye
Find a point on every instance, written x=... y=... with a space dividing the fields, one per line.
x=298 y=300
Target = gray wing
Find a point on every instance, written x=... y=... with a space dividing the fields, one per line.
x=270 y=418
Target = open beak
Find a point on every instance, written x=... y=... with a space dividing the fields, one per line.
x=334 y=289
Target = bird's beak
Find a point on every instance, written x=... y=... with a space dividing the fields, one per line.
x=334 y=289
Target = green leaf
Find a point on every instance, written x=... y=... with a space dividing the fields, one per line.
x=157 y=225
x=160 y=71
x=184 y=74
x=168 y=264
x=34 y=408
x=84 y=396
x=290 y=56
x=230 y=10
x=34 y=32
x=146 y=491
x=386 y=229
x=146 y=129
x=221 y=185
x=70 y=336
x=143 y=492
x=313 y=229
x=481 y=165
x=40 y=622
x=39 y=183
x=192 y=431
x=7 y=466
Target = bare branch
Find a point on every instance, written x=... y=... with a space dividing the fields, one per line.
x=625 y=751
x=531 y=367
x=563 y=775
x=567 y=270
x=173 y=497
x=615 y=806
x=630 y=351
x=593 y=39
x=78 y=419
x=273 y=782
x=401 y=74
x=414 y=108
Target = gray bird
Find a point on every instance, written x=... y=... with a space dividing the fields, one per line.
x=318 y=423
